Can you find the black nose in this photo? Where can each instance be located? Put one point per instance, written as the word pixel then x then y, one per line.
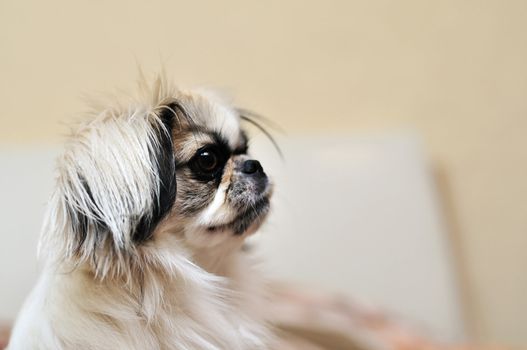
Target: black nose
pixel 251 166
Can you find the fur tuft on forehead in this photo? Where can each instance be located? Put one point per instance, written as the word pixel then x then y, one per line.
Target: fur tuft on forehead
pixel 116 180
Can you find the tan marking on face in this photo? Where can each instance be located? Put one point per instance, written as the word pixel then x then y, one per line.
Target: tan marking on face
pixel 228 170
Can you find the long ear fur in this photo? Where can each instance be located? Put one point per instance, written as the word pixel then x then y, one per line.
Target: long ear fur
pixel 116 183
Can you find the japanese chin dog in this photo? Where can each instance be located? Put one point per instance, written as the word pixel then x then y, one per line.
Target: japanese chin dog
pixel 143 236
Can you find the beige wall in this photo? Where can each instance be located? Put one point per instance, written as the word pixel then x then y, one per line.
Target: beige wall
pixel 454 70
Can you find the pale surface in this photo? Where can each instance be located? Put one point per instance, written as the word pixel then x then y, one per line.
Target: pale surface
pixel 26 182
pixel 357 216
pixel 454 70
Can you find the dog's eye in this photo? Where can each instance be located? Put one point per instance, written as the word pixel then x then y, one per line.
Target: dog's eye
pixel 207 162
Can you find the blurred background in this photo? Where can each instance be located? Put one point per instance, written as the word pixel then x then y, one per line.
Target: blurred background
pixel 405 137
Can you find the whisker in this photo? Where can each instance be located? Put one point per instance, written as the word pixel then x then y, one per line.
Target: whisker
pixel 265 132
pixel 253 115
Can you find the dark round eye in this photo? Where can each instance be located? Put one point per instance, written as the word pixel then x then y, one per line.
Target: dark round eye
pixel 207 161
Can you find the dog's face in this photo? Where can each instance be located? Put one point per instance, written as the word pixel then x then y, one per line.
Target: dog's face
pixel 222 193
pixel 170 166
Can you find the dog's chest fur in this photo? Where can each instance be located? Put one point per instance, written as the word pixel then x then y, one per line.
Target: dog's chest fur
pixel 196 311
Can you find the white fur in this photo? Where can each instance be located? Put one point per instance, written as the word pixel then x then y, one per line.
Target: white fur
pixel 212 215
pixel 165 294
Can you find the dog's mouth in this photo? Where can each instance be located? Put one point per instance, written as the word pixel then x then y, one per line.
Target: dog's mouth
pixel 253 215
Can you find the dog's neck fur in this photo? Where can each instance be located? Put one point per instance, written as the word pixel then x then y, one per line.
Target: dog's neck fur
pixel 172 297
pixel 172 290
pixel 222 260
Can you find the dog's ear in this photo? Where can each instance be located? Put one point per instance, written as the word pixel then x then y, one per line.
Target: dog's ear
pixel 117 182
pixel 165 164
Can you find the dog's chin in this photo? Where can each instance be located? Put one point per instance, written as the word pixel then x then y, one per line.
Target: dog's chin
pixel 232 232
pixel 247 221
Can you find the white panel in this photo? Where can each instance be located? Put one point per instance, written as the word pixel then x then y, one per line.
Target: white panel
pixel 359 215
pixel 25 185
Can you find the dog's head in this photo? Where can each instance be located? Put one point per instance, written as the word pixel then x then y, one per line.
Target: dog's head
pixel 171 165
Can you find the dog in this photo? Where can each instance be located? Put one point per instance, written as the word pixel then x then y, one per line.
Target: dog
pixel 143 236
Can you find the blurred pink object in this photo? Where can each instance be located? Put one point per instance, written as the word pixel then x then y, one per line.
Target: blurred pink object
pixel 327 322
pixel 5 330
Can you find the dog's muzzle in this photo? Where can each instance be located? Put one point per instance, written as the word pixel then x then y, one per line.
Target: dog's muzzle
pixel 248 194
pixel 253 172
